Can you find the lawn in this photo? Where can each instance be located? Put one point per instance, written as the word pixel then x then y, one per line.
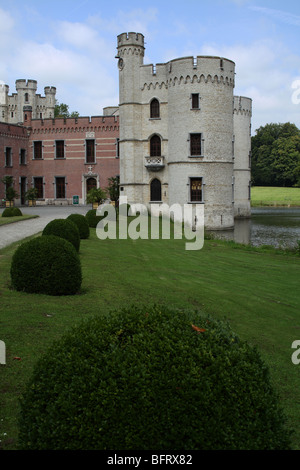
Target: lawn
pixel 273 196
pixel 11 220
pixel 256 290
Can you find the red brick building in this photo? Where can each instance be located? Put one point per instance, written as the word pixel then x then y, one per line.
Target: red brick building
pixel 62 158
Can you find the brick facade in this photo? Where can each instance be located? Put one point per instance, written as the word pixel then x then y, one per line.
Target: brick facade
pixel 61 157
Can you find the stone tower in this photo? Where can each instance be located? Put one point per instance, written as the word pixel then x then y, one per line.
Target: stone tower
pixel 130 59
pixel 4 89
pixel 184 137
pixel 12 106
pixel 242 112
pixel 50 92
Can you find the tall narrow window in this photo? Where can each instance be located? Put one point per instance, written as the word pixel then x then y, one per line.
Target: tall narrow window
pixel 195 144
pixel 90 151
pixel 59 149
pixel 22 157
pixel 117 148
pixel 154 108
pixel 90 184
pixel 155 146
pixel 38 184
pixel 155 190
pixel 26 98
pixel 195 101
pixel 37 150
pixel 60 187
pixel 8 156
pixel 196 190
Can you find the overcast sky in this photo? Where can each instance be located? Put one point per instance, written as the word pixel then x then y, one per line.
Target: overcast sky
pixel 71 44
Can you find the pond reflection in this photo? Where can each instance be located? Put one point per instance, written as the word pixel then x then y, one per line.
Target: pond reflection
pixel 279 227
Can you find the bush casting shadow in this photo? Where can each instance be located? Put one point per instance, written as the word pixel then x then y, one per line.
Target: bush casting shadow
pixel 46 265
pixel 151 379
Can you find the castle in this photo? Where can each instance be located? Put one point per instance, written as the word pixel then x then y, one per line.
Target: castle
pixel 184 137
pixel 179 135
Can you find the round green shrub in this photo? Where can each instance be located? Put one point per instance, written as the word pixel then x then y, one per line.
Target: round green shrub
pixel 7 212
pixel 46 265
pixel 64 228
pixel 16 212
pixel 92 218
pixel 82 224
pixel 151 379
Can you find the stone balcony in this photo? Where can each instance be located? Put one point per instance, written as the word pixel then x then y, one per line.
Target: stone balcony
pixel 154 163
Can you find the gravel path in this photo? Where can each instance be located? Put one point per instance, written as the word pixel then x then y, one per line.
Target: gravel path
pixel 17 231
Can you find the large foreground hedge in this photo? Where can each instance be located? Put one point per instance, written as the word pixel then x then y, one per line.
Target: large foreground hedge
pixel 46 265
pixel 152 379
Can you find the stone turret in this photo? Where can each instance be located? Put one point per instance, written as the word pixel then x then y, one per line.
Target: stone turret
pixel 11 106
pixel 50 92
pixel 4 89
pixel 130 58
pixel 242 112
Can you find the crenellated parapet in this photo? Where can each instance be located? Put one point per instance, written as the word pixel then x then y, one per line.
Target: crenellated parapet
pixel 75 125
pixel 188 70
pixel 242 105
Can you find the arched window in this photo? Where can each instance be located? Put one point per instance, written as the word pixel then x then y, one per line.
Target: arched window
pixel 90 184
pixel 155 146
pixel 154 108
pixel 155 190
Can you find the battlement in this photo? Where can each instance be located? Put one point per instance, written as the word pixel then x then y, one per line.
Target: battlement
pixel 79 124
pixel 242 105
pixel 28 84
pixel 4 88
pixel 131 39
pixel 188 70
pixel 50 90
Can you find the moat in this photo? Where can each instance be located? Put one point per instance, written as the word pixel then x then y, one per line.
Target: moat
pixel 278 226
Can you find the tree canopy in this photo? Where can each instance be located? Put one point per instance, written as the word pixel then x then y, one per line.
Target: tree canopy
pixel 61 110
pixel 276 155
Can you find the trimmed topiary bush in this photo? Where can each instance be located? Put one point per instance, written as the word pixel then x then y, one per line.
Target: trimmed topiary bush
pixel 16 212
pixel 46 265
pixel 92 218
pixel 151 379
pixel 64 228
pixel 82 224
pixel 7 212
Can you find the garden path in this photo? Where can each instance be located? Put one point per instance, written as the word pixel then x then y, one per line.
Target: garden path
pixel 14 232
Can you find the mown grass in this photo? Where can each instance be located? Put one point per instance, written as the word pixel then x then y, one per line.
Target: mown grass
pixel 11 220
pixel 256 290
pixel 273 196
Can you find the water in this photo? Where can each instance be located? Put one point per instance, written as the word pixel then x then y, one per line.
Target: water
pixel 279 227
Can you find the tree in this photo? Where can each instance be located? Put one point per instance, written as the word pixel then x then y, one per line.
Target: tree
pixel 113 188
pixel 61 110
pixel 276 155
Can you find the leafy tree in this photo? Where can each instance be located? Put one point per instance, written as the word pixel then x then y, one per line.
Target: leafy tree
pixel 113 188
pixel 61 110
pixel 276 155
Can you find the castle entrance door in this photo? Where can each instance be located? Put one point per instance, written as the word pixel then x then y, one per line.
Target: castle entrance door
pixel 90 184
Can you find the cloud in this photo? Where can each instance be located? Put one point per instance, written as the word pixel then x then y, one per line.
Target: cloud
pixel 81 36
pixel 263 75
pixel 283 16
pixel 137 20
